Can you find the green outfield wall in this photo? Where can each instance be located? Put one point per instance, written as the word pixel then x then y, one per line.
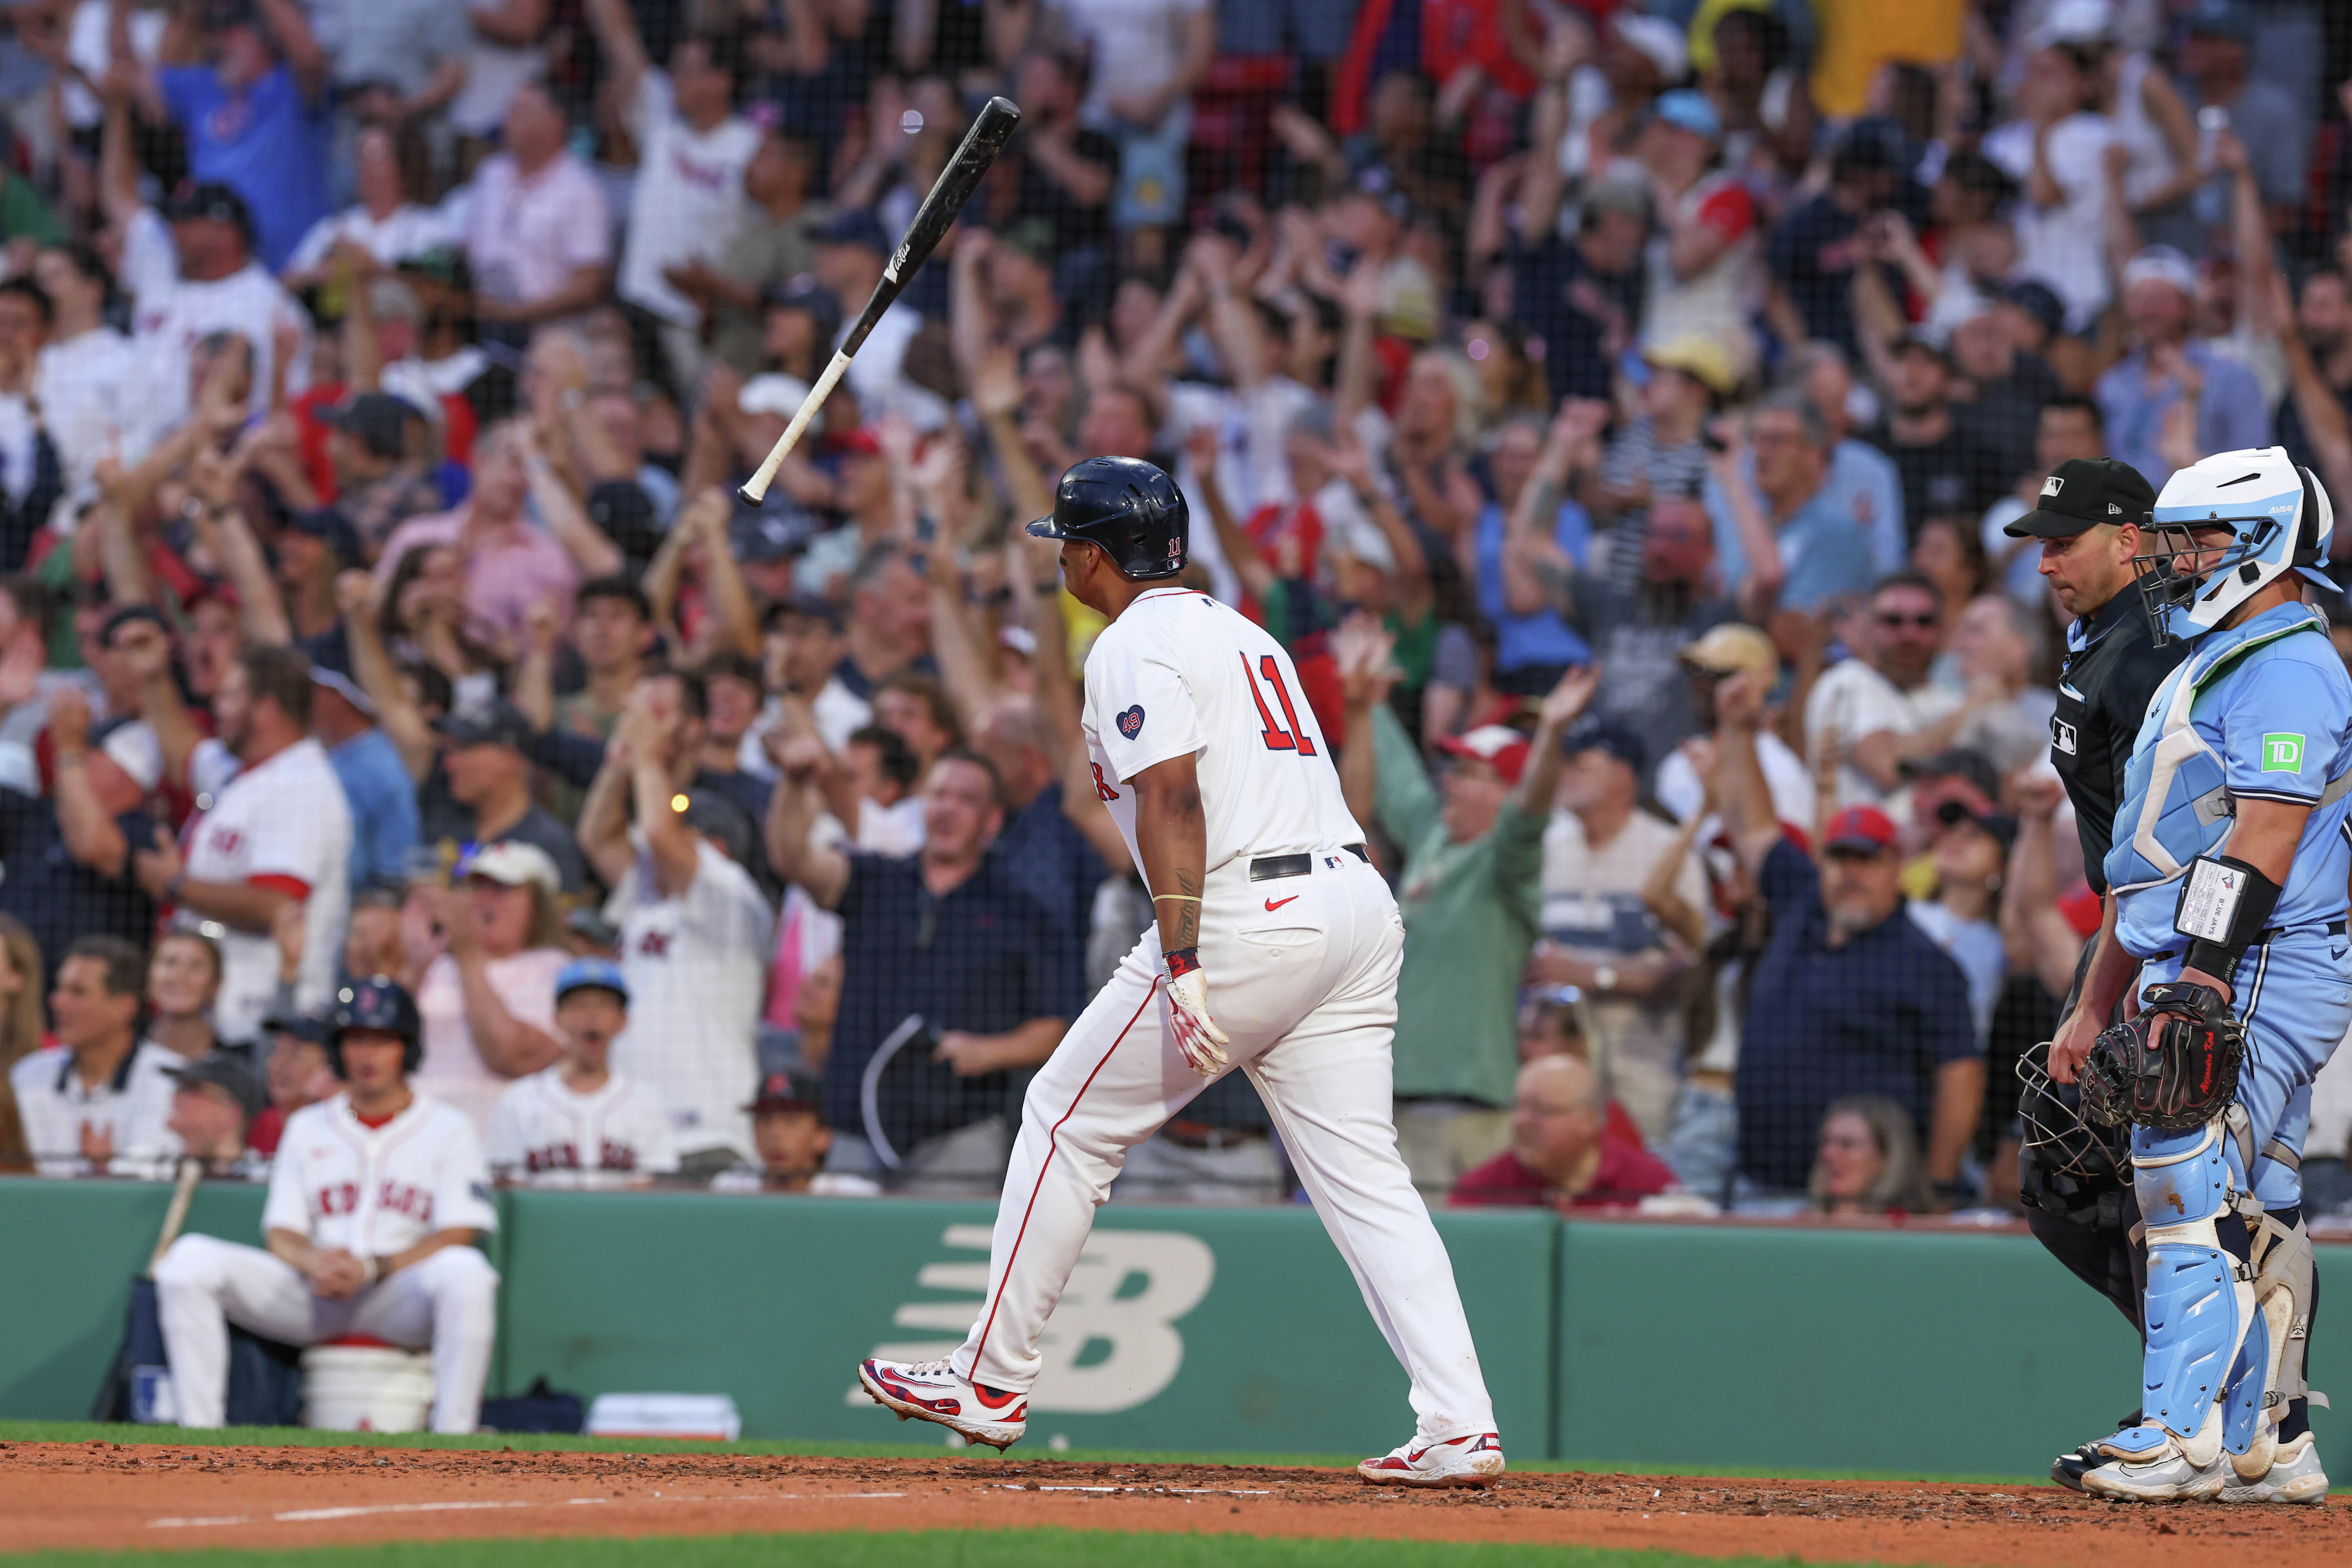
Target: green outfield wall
pixel 1928 1350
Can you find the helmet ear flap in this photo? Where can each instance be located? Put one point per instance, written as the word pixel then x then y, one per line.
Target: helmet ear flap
pixel 2318 520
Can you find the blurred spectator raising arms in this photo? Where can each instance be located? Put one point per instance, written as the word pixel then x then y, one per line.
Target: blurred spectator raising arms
pixel 695 930
pixel 692 151
pixel 1850 996
pixel 1600 853
pixel 274 830
pixel 484 957
pixel 1471 894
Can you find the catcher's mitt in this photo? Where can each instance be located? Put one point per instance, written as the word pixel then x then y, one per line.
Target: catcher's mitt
pixel 2177 1079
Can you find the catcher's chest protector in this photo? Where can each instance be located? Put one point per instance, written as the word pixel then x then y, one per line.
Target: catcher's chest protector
pixel 2176 804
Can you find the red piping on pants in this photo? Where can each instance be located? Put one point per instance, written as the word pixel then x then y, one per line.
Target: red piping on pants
pixel 1043 1167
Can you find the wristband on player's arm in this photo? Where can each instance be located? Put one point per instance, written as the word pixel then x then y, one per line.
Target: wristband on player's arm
pixel 1182 961
pixel 2224 905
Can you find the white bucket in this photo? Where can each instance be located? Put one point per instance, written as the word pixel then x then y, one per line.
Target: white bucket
pixel 366 1388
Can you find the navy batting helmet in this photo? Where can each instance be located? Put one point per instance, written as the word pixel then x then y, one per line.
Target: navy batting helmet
pixel 1129 507
pixel 382 1003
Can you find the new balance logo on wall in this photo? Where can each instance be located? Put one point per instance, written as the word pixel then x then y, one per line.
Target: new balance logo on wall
pixel 1112 1342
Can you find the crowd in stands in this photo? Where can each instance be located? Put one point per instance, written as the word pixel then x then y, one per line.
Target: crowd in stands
pixel 1614 405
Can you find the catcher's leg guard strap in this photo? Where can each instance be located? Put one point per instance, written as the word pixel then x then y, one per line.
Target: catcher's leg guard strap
pixel 2200 1298
pixel 2282 1261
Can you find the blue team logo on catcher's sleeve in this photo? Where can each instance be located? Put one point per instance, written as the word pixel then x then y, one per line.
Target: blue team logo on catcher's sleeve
pixel 1130 723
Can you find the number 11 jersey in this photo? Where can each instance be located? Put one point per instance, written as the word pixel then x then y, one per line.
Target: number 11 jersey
pixel 1181 673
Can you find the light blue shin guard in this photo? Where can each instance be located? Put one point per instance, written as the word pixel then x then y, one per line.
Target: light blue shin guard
pixel 2249 1381
pixel 2200 1298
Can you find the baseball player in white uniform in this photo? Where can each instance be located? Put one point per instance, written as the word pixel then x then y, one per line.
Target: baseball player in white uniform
pixel 1224 789
pixel 374 1198
pixel 579 1123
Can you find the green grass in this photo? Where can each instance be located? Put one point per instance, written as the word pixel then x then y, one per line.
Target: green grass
pixel 923 1549
pixel 1025 1453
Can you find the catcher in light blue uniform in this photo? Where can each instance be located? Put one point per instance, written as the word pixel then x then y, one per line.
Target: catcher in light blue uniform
pixel 2229 866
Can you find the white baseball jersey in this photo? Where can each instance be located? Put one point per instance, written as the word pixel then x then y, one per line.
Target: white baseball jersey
pixel 172 314
pixel 697 967
pixel 1300 972
pixel 549 1134
pixel 1177 672
pixel 377 1190
pixel 284 824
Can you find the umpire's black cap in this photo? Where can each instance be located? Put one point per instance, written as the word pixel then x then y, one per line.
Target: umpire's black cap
pixel 2081 493
pixel 1129 509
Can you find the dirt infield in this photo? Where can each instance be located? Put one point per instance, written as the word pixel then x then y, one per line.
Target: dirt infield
pixel 100 1495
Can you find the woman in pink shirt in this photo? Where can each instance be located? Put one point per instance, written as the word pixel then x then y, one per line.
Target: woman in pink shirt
pixel 483 958
pixel 512 559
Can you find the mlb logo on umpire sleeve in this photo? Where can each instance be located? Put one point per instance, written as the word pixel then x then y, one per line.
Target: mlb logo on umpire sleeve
pixel 2062 736
pixel 2281 753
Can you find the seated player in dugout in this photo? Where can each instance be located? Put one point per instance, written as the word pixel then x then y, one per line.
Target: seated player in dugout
pixel 2229 881
pixel 376 1200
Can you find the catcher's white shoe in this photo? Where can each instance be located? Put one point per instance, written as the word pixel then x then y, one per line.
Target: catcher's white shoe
pixel 2149 1463
pixel 2294 1476
pixel 1473 1460
pixel 931 1390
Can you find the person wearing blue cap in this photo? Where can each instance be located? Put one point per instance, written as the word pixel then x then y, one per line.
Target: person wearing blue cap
pixel 580 1123
pixel 1704 263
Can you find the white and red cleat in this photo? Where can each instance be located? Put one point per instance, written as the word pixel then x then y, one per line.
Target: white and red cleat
pixel 1473 1460
pixel 931 1390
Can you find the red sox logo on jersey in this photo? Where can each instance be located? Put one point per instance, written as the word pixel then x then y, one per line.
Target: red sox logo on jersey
pixel 224 840
pixel 397 1198
pixel 610 1156
pixel 401 1198
pixel 653 944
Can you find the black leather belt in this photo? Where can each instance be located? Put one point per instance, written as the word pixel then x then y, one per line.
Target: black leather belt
pixel 2268 934
pixel 1274 867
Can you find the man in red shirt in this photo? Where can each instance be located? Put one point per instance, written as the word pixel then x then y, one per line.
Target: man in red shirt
pixel 1566 1150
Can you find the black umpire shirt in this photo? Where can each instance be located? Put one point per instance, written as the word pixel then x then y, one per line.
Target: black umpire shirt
pixel 2112 671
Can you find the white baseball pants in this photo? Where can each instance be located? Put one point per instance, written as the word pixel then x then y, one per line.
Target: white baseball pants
pixel 1302 974
pixel 445 1303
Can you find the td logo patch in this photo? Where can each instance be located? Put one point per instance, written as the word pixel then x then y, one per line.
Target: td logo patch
pixel 2281 753
pixel 1130 723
